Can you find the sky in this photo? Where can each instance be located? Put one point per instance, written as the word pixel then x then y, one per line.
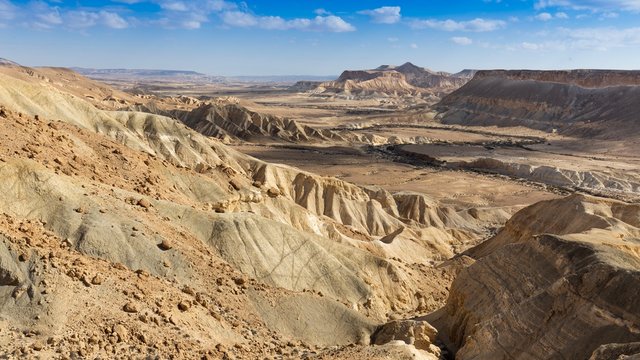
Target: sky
pixel 310 37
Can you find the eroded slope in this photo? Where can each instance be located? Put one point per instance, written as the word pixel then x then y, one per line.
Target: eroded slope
pixel 556 283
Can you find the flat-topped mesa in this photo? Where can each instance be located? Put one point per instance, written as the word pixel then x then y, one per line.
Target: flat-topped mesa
pixel 582 103
pixel 359 75
pixel 582 77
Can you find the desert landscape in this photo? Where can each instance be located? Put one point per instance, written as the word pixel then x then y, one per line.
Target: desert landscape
pixel 396 212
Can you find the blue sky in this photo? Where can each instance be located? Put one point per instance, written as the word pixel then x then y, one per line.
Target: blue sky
pixel 259 37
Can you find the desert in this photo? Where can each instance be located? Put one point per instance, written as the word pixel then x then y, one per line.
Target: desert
pixel 384 212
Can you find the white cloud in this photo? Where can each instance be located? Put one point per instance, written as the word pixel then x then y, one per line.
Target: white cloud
pixel 329 23
pixel 413 46
pixel 462 40
pixel 321 12
pixel 601 39
pixel 588 39
pixel 384 15
pixel 610 15
pixel 174 6
pixel 475 25
pixel 530 46
pixel 171 14
pixel 7 10
pixel 191 24
pixel 545 16
pixel 87 19
pixel 593 5
pixel 239 19
pixel 113 20
pixel 393 39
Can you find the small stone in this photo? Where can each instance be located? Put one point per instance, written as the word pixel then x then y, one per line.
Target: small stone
pixel 273 192
pixel 23 257
pixel 97 280
pixel 131 307
pixel 235 184
pixel 144 203
pixel 184 305
pixel 165 245
pixel 120 332
pixel 38 345
pixel 239 281
pixel 188 290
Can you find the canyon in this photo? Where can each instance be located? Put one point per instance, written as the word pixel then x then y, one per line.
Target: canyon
pixel 391 213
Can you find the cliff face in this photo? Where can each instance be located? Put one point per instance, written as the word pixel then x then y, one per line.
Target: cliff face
pixel 548 298
pixel 557 283
pixel 395 80
pixel 583 103
pixel 583 78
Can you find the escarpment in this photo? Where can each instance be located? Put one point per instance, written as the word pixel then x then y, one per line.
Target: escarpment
pixel 582 103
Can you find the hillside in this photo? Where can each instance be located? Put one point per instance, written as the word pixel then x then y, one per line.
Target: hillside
pixel 565 281
pixel 389 80
pixel 140 209
pixel 583 103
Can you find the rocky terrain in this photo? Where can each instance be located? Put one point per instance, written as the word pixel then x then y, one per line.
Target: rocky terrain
pixel 390 81
pixel 140 209
pixel 604 175
pixel 566 283
pixel 229 121
pixel 206 252
pixel 582 103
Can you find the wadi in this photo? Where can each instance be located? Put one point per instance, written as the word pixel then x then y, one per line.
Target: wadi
pixel 395 211
pixel 288 224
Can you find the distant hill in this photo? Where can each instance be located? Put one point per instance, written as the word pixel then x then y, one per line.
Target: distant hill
pixel 391 80
pixel 5 62
pixel 278 79
pixel 147 75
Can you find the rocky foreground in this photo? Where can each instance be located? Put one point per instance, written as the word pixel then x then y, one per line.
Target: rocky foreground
pixel 128 234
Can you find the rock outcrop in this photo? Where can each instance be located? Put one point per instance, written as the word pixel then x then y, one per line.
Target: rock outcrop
pixel 387 80
pixel 233 121
pixel 556 283
pixel 583 103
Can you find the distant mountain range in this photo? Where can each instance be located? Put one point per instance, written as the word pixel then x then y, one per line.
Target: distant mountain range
pixel 190 76
pixel 414 76
pixel 148 75
pixel 5 62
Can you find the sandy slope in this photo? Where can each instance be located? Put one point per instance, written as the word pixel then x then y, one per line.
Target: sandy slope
pixel 147 196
